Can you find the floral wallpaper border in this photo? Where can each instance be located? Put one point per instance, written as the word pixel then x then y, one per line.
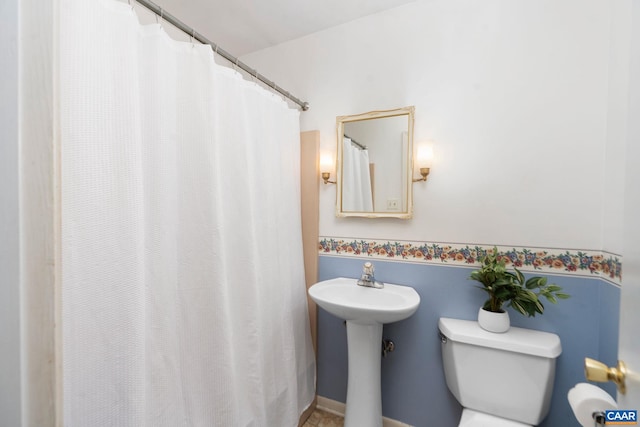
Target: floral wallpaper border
pixel 552 261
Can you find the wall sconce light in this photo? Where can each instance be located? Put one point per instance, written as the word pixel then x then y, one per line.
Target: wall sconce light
pixel 326 166
pixel 424 157
pixel 326 176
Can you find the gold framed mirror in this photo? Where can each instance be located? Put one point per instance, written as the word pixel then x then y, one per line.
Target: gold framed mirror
pixel 374 164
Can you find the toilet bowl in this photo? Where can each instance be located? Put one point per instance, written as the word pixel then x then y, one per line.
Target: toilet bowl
pixel 471 418
pixel 501 380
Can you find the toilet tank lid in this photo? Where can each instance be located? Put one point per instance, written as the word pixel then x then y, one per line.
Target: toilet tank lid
pixel 519 340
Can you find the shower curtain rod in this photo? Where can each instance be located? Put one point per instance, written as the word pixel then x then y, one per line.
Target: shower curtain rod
pixel 364 147
pixel 165 16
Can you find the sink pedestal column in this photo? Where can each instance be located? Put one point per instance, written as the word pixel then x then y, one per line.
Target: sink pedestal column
pixel 364 390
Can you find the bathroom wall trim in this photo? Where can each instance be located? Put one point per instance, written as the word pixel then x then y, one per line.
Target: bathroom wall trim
pixel 338 408
pixel 574 262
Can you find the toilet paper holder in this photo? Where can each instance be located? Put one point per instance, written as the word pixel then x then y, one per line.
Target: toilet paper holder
pixel 598 419
pixel 597 371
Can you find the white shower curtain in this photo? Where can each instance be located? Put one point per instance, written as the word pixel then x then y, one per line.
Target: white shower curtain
pixel 183 297
pixel 356 182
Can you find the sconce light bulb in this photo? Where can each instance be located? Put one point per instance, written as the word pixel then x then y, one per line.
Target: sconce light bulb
pixel 326 162
pixel 424 156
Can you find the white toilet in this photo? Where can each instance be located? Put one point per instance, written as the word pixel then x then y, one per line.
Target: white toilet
pixel 501 380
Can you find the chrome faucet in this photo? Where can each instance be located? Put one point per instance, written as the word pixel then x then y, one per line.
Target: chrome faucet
pixel 367 278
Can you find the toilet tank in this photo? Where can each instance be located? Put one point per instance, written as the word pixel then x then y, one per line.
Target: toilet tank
pixel 508 375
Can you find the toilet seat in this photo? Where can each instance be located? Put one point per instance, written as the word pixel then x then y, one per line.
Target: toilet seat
pixel 471 418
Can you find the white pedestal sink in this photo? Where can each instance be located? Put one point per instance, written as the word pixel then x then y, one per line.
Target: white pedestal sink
pixel 365 310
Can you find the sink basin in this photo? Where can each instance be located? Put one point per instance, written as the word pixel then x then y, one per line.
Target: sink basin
pixel 343 298
pixel 365 310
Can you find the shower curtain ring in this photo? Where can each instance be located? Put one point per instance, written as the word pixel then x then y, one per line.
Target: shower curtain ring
pixel 193 34
pixel 161 16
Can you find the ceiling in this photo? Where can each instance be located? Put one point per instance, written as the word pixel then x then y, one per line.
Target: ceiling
pixel 244 26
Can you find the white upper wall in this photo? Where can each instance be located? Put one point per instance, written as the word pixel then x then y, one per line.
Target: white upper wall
pixel 620 89
pixel 243 26
pixel 514 95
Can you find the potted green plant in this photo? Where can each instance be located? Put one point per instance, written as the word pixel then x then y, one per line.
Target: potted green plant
pixel 512 289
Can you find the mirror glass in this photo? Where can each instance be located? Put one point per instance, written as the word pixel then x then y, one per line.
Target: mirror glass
pixel 374 164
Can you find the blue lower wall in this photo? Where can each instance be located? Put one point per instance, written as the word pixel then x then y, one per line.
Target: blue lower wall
pixel 413 386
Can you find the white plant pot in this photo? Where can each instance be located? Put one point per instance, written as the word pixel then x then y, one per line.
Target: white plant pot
pixel 493 322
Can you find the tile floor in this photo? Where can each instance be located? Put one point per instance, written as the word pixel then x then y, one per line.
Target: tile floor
pixel 320 418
